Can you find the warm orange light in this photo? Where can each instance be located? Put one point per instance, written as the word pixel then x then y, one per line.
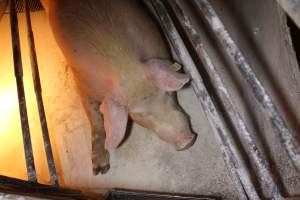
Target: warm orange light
pixel 8 108
pixel 12 159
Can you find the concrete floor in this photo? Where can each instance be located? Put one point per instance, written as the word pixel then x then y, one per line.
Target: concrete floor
pixel 144 162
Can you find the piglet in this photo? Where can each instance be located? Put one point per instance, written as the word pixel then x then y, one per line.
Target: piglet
pixel 122 68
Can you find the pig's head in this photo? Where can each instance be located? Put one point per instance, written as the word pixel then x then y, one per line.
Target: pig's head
pixel 161 114
pixel 156 110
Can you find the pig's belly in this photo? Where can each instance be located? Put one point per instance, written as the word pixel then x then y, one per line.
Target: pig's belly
pixel 93 73
pixel 95 87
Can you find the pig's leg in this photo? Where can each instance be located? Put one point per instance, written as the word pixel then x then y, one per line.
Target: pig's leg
pixel 100 156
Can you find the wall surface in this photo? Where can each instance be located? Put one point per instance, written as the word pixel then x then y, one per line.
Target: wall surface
pixel 144 162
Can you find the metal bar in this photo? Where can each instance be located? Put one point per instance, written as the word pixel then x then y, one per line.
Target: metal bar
pixel 229 149
pixel 120 194
pixel 264 170
pixel 292 8
pixel 31 173
pixel 39 98
pixel 289 140
pixel 17 186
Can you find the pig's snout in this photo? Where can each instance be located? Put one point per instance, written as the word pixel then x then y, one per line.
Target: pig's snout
pixel 181 140
pixel 185 141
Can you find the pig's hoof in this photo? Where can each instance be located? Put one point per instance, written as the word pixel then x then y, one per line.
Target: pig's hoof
pixel 100 162
pixel 187 143
pixel 101 169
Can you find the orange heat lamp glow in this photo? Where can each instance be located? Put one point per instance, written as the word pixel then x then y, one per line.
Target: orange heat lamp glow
pixel 12 158
pixel 12 161
pixel 8 108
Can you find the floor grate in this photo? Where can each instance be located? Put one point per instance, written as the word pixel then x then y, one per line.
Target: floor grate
pixel 34 5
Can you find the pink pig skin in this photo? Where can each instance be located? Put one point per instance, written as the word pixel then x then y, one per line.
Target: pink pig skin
pixel 122 64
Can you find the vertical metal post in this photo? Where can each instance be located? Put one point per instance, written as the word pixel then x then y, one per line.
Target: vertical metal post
pixel 230 151
pixel 39 99
pixel 291 144
pixel 235 117
pixel 31 173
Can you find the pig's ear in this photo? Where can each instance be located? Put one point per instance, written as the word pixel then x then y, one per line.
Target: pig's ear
pixel 164 76
pixel 115 122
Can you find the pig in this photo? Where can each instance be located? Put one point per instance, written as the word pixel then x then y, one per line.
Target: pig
pixel 122 68
pixel 3 5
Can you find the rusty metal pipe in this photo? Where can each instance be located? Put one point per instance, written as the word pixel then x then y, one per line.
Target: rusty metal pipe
pixel 31 173
pixel 39 98
pixel 230 151
pixel 235 117
pixel 289 140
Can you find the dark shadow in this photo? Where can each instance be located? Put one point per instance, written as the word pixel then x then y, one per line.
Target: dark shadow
pixel 128 130
pixel 295 36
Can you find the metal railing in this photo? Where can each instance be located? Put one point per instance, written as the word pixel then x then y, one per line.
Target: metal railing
pixel 18 69
pixel 231 152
